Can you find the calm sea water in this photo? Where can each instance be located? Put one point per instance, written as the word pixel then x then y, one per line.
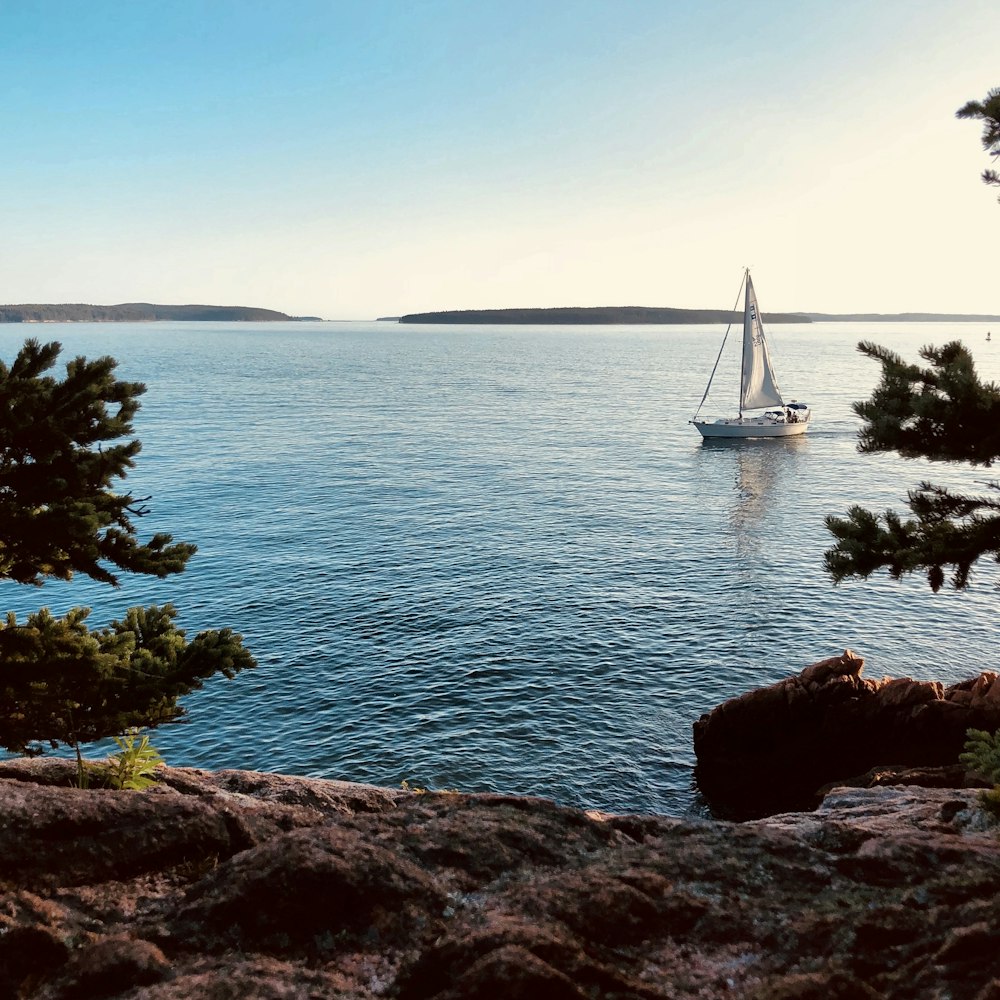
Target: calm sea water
pixel 499 558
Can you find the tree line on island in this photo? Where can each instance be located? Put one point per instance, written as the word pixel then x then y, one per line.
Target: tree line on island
pixel 140 312
pixel 64 443
pixel 631 315
pixel 593 315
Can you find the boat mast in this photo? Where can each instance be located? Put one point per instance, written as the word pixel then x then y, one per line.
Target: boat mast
pixel 743 357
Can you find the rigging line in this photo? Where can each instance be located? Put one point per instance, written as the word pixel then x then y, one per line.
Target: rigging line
pixel 724 339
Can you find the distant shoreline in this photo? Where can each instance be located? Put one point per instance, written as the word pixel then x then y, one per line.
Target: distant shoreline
pixel 140 312
pixel 625 315
pixel 148 312
pixel 586 316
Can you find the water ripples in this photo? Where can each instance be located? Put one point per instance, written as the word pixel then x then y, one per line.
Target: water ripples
pixel 500 559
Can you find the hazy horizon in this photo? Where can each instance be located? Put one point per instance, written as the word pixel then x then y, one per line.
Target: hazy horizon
pixel 808 314
pixel 356 160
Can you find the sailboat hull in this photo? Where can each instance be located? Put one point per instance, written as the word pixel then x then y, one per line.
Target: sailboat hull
pixel 749 427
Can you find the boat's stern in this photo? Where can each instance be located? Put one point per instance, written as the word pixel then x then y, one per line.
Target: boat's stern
pixel 796 412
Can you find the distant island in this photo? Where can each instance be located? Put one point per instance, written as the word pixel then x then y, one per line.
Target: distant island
pixel 140 312
pixel 593 315
pixel 643 314
pixel 903 318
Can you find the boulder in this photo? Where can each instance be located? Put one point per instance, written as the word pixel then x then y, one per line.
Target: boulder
pixel 775 748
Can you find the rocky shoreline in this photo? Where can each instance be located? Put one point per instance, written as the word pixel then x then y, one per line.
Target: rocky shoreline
pixel 779 748
pixel 240 884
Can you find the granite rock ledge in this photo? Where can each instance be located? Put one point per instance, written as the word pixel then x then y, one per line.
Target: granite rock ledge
pixel 779 748
pixel 240 884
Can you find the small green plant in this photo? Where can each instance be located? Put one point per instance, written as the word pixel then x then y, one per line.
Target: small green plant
pixel 84 771
pixel 990 801
pixel 133 768
pixel 982 754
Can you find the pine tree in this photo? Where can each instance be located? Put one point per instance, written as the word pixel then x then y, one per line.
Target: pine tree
pixel 988 112
pixel 942 413
pixel 61 454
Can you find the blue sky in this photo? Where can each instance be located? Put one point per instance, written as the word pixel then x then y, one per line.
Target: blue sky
pixel 355 159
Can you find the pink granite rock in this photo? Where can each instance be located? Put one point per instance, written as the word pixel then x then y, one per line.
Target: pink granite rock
pixel 879 893
pixel 774 748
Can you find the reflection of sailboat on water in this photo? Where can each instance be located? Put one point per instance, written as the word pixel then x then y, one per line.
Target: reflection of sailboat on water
pixel 758 387
pixel 756 468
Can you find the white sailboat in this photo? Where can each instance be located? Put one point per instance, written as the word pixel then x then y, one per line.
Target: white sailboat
pixel 758 388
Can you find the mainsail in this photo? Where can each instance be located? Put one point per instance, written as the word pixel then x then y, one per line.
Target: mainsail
pixel 758 388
